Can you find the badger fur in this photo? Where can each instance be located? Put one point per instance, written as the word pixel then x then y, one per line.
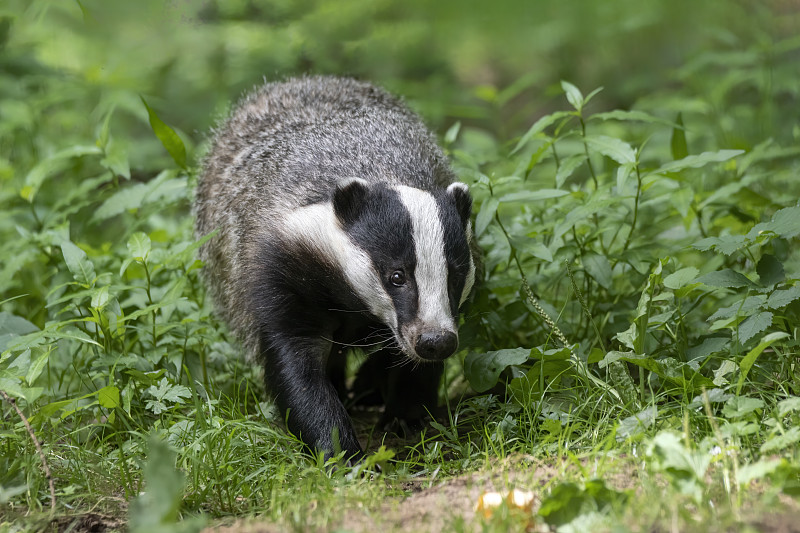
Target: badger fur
pixel 339 224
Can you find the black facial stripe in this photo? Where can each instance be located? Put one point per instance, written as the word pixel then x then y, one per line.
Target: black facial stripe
pixel 456 248
pixel 385 232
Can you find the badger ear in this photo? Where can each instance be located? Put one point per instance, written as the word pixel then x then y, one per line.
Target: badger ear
pixel 463 200
pixel 348 199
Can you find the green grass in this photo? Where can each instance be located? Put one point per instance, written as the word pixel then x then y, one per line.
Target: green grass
pixel 631 355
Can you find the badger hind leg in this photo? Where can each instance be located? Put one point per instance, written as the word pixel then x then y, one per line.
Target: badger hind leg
pixel 409 390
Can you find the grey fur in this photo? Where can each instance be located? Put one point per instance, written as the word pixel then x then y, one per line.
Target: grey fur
pixel 282 148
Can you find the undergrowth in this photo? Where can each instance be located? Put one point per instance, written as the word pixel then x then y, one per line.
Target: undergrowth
pixel 639 311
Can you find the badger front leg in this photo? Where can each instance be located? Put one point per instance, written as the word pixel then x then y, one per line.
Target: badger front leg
pixel 296 376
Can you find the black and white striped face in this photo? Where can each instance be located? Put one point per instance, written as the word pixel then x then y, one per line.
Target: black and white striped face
pixel 405 253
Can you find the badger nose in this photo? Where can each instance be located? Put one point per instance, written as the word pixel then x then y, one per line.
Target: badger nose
pixel 436 345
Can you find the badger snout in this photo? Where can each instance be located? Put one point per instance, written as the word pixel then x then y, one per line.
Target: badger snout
pixel 436 345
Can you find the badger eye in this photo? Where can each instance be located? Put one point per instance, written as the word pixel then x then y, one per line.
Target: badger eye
pixel 398 278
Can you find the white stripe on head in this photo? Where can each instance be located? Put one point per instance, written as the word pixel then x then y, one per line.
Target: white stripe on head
pixel 317 227
pixel 431 270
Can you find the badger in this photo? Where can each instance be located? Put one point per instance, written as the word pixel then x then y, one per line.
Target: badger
pixel 339 223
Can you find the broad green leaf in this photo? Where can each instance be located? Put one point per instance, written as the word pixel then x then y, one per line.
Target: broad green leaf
pixel 100 297
pixel 11 327
pixel 636 424
pixel 726 244
pixel 139 246
pixel 697 161
pixel 726 278
pixel 483 369
pixel 749 360
pixel 739 406
pixel 108 397
pixel 678 141
pixel 532 196
pixel 783 297
pixel 758 470
pixel 788 405
pixel 168 137
pixel 680 278
pixel 616 149
pixel 710 345
pixel 785 223
pixel 599 268
pixel 779 442
pixel 754 325
pixel 78 263
pixel 741 308
pixel 574 96
pixel 770 270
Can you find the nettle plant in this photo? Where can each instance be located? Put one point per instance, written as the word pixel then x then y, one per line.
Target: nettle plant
pixel 624 264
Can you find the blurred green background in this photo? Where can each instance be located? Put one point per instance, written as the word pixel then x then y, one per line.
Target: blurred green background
pixel 494 65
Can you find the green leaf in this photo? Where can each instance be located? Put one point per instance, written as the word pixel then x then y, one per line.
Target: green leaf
pixel 726 244
pixel 108 397
pixel 697 161
pixel 710 345
pixel 616 149
pixel 37 366
pixel 782 298
pixel 532 247
pixel 532 196
pixel 754 325
pixel 11 327
pixel 539 126
pixel 636 424
pixel 78 263
pixel 599 268
pixel 167 136
pixel 680 278
pixel 485 215
pixel 770 270
pixel 116 160
pixel 779 442
pixel 785 223
pixel 758 470
pixel 739 406
pixel 157 508
pixel 100 297
pixel 678 141
pixel 749 360
pixel 567 167
pixel 726 278
pixel 52 165
pixel 483 369
pixel 634 116
pixel 452 133
pixel 788 405
pixel 139 246
pixel 574 96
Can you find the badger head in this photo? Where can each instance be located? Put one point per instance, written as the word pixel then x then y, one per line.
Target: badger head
pixel 408 259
